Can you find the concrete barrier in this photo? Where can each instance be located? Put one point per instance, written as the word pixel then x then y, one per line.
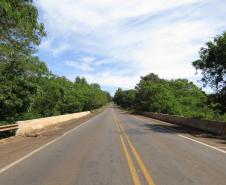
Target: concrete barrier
pixel 215 127
pixel 34 126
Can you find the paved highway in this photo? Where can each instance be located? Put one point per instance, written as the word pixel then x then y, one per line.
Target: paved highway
pixel 115 148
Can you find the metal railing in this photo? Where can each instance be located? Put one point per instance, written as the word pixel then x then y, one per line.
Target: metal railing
pixel 8 127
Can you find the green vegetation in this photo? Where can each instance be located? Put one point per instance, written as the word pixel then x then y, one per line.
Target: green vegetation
pixel 27 88
pixel 181 97
pixel 212 64
pixel 178 97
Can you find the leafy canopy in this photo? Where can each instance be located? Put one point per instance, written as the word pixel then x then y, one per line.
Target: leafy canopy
pixel 212 62
pixel 178 97
pixel 27 88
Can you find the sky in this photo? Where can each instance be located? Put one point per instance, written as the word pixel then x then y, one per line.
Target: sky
pixel 114 42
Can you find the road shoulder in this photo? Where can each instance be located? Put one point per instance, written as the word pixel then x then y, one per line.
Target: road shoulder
pixel 13 148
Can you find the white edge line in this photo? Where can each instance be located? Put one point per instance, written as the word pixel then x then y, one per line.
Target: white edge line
pixel 215 148
pixel 39 149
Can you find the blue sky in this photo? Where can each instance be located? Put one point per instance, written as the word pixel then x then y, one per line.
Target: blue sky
pixel 114 42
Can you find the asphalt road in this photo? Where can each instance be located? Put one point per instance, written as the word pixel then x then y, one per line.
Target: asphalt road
pixel 115 148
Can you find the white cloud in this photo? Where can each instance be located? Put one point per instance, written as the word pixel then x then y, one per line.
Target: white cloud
pixel 131 38
pixel 88 59
pixel 104 61
pixel 94 13
pixel 60 49
pixel 109 78
pixel 79 65
pixel 55 50
pixel 85 64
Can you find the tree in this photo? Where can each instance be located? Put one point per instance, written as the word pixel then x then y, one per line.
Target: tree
pixel 19 27
pixel 126 99
pixel 27 88
pixel 191 99
pixel 19 87
pixel 212 62
pixel 20 32
pixel 155 95
pixel 179 97
pixel 80 80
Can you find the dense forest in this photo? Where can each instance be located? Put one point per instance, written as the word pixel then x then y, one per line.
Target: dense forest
pixel 181 97
pixel 27 88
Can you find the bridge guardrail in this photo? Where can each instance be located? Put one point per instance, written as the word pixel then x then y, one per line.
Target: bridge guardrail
pixel 4 128
pixel 216 127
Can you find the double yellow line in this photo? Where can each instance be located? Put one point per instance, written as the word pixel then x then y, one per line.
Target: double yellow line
pixel 125 139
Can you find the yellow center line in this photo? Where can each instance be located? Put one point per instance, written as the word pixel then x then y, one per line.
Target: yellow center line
pixel 139 160
pixel 133 171
pixel 137 156
pixel 132 168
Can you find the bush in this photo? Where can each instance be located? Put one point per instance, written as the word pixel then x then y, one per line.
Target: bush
pixel 178 97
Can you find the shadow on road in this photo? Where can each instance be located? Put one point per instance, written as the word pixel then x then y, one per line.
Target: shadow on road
pixel 178 129
pixel 169 128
